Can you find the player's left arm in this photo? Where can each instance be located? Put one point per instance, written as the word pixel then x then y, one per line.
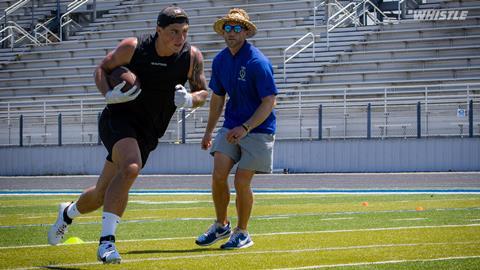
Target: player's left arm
pixel 196 78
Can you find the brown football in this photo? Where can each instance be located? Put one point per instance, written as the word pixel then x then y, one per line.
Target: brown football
pixel 120 74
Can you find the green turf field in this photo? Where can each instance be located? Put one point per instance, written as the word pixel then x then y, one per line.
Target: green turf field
pixel 289 231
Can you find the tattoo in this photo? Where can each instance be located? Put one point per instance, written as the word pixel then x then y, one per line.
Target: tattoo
pixel 197 81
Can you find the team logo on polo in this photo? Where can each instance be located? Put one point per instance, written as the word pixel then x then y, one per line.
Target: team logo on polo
pixel 243 73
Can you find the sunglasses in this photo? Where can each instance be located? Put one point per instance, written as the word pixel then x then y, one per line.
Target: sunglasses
pixel 236 28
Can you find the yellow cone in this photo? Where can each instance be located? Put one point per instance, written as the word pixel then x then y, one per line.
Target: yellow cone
pixel 73 240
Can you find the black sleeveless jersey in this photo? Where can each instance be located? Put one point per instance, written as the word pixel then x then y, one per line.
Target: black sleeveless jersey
pixel 158 76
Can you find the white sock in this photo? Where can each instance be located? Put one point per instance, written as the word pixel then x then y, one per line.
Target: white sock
pixel 109 223
pixel 72 211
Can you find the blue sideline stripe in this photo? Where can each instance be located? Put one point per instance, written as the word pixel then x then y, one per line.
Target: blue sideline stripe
pixel 258 191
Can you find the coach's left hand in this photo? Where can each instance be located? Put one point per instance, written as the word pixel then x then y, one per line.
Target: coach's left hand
pixel 235 134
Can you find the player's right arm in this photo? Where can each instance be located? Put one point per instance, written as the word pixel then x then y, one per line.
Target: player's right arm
pixel 216 107
pixel 118 57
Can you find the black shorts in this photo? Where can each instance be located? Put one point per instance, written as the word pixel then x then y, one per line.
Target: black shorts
pixel 114 127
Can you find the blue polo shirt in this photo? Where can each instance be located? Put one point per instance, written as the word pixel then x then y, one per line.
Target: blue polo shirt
pixel 246 77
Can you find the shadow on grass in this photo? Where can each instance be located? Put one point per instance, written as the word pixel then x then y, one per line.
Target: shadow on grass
pixel 59 268
pixel 172 251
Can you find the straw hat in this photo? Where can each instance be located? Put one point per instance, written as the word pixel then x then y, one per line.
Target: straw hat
pixel 236 15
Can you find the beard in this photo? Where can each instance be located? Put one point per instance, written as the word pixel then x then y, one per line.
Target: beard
pixel 232 43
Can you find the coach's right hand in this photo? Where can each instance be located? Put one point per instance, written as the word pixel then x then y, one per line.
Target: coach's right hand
pixel 206 141
pixel 116 95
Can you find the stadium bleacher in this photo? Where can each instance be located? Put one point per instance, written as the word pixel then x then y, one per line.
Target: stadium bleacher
pixel 389 65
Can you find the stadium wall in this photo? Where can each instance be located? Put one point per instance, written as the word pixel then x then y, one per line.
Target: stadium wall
pixel 389 155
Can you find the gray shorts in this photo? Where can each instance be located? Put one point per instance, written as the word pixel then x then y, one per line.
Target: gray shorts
pixel 253 152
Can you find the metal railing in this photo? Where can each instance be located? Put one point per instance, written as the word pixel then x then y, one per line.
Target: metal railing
pixel 352 12
pixel 339 18
pixel 345 106
pixel 16 34
pixel 285 60
pixel 35 105
pixel 444 112
pixel 403 7
pixel 43 32
pixel 367 4
pixel 182 117
pixel 13 8
pixel 336 6
pixel 70 8
pixel 315 8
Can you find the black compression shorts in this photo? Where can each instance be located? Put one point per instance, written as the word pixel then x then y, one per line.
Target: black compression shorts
pixel 114 127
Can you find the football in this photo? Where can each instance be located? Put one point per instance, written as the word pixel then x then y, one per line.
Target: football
pixel 120 74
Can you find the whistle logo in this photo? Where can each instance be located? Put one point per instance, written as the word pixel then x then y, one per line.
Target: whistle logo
pixel 439 15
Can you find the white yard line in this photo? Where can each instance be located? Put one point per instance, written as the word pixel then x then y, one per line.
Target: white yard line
pixel 275 234
pixel 294 191
pixel 380 262
pixel 152 219
pixel 169 202
pixel 408 219
pixel 269 218
pixel 276 252
pixel 340 218
pixel 440 200
pixel 166 208
pixel 374 229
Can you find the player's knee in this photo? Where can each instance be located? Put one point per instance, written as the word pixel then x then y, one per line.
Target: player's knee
pixel 130 171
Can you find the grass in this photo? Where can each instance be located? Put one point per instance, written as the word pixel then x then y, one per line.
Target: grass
pixel 290 231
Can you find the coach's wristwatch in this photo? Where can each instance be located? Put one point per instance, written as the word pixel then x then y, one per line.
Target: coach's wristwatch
pixel 246 127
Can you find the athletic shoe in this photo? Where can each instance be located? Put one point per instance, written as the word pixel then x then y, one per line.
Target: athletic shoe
pixel 213 234
pixel 59 228
pixel 238 240
pixel 107 253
